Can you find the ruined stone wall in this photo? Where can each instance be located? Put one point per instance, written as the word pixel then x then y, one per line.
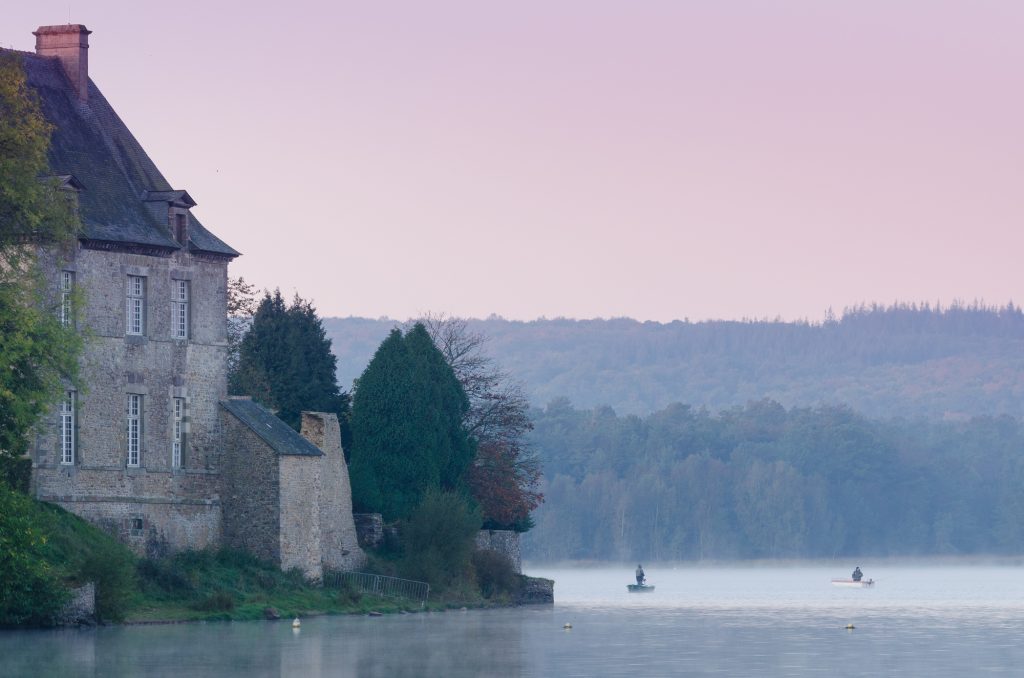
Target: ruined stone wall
pixel 338 541
pixel 81 609
pixel 250 481
pixel 300 538
pixel 505 542
pixel 369 529
pixel 179 507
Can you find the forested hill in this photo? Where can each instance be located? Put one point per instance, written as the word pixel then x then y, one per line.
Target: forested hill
pixel 761 481
pixel 902 360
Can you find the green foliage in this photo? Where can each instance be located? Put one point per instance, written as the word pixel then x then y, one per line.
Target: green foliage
pixel 36 351
pixel 31 210
pixel 407 435
pixel 31 593
pixel 82 553
pixel 285 362
pixel 15 472
pixel 762 481
pixel 439 538
pixel 504 478
pixel 495 574
pixel 218 601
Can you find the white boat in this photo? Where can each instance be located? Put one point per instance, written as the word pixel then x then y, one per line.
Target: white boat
pixel 851 584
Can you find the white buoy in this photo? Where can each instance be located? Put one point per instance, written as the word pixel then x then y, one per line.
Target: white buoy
pixel 296 623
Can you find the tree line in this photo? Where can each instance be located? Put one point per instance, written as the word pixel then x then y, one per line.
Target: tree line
pixel 764 481
pixel 927 360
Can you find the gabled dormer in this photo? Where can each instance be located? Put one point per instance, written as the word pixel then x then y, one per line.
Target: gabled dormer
pixel 174 206
pixel 68 182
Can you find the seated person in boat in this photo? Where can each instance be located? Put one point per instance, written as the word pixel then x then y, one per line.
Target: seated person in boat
pixel 857 574
pixel 640 577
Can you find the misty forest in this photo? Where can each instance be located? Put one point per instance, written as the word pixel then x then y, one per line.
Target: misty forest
pixel 886 431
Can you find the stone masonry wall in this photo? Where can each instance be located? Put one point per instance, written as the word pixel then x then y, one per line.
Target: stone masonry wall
pixel 300 538
pixel 250 481
pixel 505 542
pixel 370 529
pixel 338 542
pixel 81 609
pixel 99 484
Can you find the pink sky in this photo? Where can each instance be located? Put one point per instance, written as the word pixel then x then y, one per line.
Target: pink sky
pixel 657 160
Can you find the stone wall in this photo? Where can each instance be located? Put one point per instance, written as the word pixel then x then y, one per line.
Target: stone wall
pixel 81 609
pixel 338 542
pixel 250 478
pixel 536 591
pixel 369 529
pixel 159 368
pixel 505 542
pixel 299 505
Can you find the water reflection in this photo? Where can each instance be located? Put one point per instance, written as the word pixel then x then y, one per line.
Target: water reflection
pixel 711 622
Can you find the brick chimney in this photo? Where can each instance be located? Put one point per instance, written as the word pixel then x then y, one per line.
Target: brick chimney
pixel 70 44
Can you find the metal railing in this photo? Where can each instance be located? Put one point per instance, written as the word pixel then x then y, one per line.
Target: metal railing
pixel 380 586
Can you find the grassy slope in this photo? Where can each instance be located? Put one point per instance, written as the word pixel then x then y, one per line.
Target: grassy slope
pixel 205 585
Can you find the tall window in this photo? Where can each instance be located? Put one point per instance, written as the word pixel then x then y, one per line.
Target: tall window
pixel 67 428
pixel 178 432
pixel 67 284
pixel 136 309
pixel 134 428
pixel 179 309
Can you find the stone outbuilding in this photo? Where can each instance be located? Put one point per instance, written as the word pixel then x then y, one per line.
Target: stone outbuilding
pixel 286 496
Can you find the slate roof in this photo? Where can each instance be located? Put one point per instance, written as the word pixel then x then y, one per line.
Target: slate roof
pixel 281 437
pixel 92 143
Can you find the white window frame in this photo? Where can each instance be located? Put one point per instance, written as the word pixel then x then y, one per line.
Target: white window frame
pixel 135 308
pixel 134 428
pixel 67 429
pixel 67 286
pixel 177 431
pixel 179 309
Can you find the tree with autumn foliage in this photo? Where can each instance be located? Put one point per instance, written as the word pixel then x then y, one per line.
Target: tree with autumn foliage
pixel 504 478
pixel 407 433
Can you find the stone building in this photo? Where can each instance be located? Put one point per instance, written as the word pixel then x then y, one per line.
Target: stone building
pixel 150 448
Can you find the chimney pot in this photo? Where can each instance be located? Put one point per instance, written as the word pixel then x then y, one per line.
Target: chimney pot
pixel 70 44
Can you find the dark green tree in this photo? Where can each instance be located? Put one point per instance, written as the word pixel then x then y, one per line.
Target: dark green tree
pixel 505 476
pixel 285 362
pixel 407 435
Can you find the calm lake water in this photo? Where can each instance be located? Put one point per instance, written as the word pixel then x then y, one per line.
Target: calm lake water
pixel 757 621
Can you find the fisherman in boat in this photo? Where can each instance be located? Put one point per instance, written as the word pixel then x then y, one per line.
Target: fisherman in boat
pixel 640 576
pixel 857 574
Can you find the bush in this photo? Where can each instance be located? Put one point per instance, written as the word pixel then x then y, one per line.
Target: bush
pixel 438 539
pixel 31 593
pixel 112 567
pixel 82 553
pixel 15 472
pixel 495 574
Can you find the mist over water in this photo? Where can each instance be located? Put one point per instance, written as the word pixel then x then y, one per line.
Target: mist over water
pixel 707 621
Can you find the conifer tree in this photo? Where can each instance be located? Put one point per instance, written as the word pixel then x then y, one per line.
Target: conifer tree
pixel 407 426
pixel 285 362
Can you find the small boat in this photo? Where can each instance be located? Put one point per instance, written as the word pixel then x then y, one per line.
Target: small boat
pixel 851 584
pixel 640 588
